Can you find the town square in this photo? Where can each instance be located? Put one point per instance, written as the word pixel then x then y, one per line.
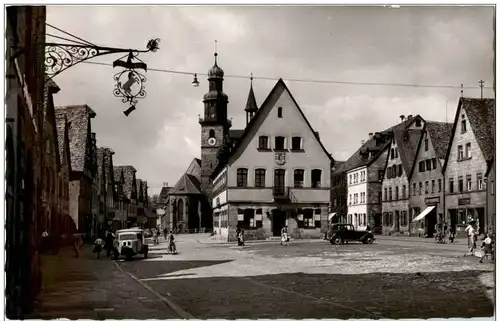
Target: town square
pixel 229 162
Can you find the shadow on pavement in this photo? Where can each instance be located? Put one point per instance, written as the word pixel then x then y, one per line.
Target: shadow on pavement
pixel 150 269
pixel 298 295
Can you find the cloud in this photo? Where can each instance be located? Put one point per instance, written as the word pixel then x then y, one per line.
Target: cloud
pixel 411 45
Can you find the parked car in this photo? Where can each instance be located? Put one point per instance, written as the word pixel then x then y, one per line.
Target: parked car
pixel 131 242
pixel 343 233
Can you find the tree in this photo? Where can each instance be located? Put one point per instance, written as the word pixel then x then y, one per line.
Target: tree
pixel 153 199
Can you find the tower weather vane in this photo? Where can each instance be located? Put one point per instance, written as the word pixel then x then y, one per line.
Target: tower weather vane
pixel 129 83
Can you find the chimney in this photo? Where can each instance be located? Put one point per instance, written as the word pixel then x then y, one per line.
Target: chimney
pixel 402 118
pixel 370 135
pixel 410 116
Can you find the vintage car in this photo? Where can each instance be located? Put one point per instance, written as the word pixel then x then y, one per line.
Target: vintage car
pixel 343 233
pixel 131 242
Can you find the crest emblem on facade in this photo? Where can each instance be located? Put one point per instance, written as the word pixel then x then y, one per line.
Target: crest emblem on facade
pixel 280 158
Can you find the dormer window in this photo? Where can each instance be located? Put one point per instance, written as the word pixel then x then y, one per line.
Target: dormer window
pixel 418 123
pixel 280 112
pixel 463 127
pixel 279 142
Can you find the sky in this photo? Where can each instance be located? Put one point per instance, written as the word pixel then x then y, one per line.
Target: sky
pixel 443 46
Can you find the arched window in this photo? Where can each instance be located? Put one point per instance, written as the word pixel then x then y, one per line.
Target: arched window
pixel 280 112
pixel 180 210
pixel 211 133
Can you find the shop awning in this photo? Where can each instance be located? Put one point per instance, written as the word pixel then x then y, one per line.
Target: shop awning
pixel 331 215
pixel 423 214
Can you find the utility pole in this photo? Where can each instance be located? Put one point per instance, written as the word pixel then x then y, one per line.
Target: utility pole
pixel 481 85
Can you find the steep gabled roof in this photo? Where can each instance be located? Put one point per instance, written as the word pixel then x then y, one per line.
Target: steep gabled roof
pixel 79 119
pixel 268 103
pixel 439 134
pixel 108 167
pixel 129 177
pixel 187 185
pixel 407 142
pixel 140 191
pixel 481 116
pixel 165 191
pixel 358 159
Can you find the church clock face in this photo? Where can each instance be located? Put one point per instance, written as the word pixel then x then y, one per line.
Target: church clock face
pixel 211 141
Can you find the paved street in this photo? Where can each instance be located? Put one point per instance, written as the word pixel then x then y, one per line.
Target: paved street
pixel 313 279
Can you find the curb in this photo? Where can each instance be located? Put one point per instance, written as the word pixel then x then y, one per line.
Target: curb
pixel 395 238
pixel 180 312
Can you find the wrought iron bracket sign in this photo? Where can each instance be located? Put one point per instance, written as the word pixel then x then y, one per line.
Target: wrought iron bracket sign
pixel 129 82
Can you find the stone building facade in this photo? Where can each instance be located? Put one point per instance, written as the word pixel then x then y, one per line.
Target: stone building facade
pixel 275 173
pixel 471 147
pixel 83 166
pixel 401 152
pixel 25 35
pixel 67 224
pixel 126 174
pixel 338 195
pixel 426 178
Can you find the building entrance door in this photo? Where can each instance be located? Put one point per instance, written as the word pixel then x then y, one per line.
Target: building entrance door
pixel 482 222
pixel 396 221
pixel 279 182
pixel 430 222
pixel 279 221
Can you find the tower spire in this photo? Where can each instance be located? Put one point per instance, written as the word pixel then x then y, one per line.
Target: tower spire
pixel 251 106
pixel 215 52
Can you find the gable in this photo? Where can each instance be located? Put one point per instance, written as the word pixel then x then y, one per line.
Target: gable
pixel 479 115
pixel 422 154
pixel 293 123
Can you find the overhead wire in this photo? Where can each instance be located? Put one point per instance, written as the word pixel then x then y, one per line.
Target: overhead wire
pixel 356 83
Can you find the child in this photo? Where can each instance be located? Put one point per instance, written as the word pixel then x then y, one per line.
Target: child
pixel 486 247
pixel 171 246
pixel 98 246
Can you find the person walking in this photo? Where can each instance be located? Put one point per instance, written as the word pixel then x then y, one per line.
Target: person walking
pixel 109 243
pixel 77 243
pixel 165 233
pixel 471 238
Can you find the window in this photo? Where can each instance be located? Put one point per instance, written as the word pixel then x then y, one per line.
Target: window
pixel 404 192
pixel 241 177
pixel 468 151
pixel 296 143
pixel 395 154
pixel 421 166
pixel 418 123
pixel 426 144
pixel 298 178
pixel 400 170
pixel 433 186
pixel 479 178
pixel 389 172
pixel 404 218
pixel 492 188
pixel 350 199
pixel 428 164
pixel 468 179
pixel 308 218
pixel 460 184
pixel 385 195
pixel 420 188
pixel 414 189
pixel 356 198
pixel 279 142
pixel 317 218
pixel 280 112
pixel 380 175
pixel 451 186
pixel 263 142
pixel 460 152
pixel 426 187
pixel 392 153
pixel 434 163
pixel 463 127
pixel 390 193
pixel 439 185
pixel 396 197
pixel 211 133
pixel 316 178
pixel 260 177
pixel 350 178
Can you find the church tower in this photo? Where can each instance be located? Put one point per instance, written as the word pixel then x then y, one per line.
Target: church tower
pixel 214 125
